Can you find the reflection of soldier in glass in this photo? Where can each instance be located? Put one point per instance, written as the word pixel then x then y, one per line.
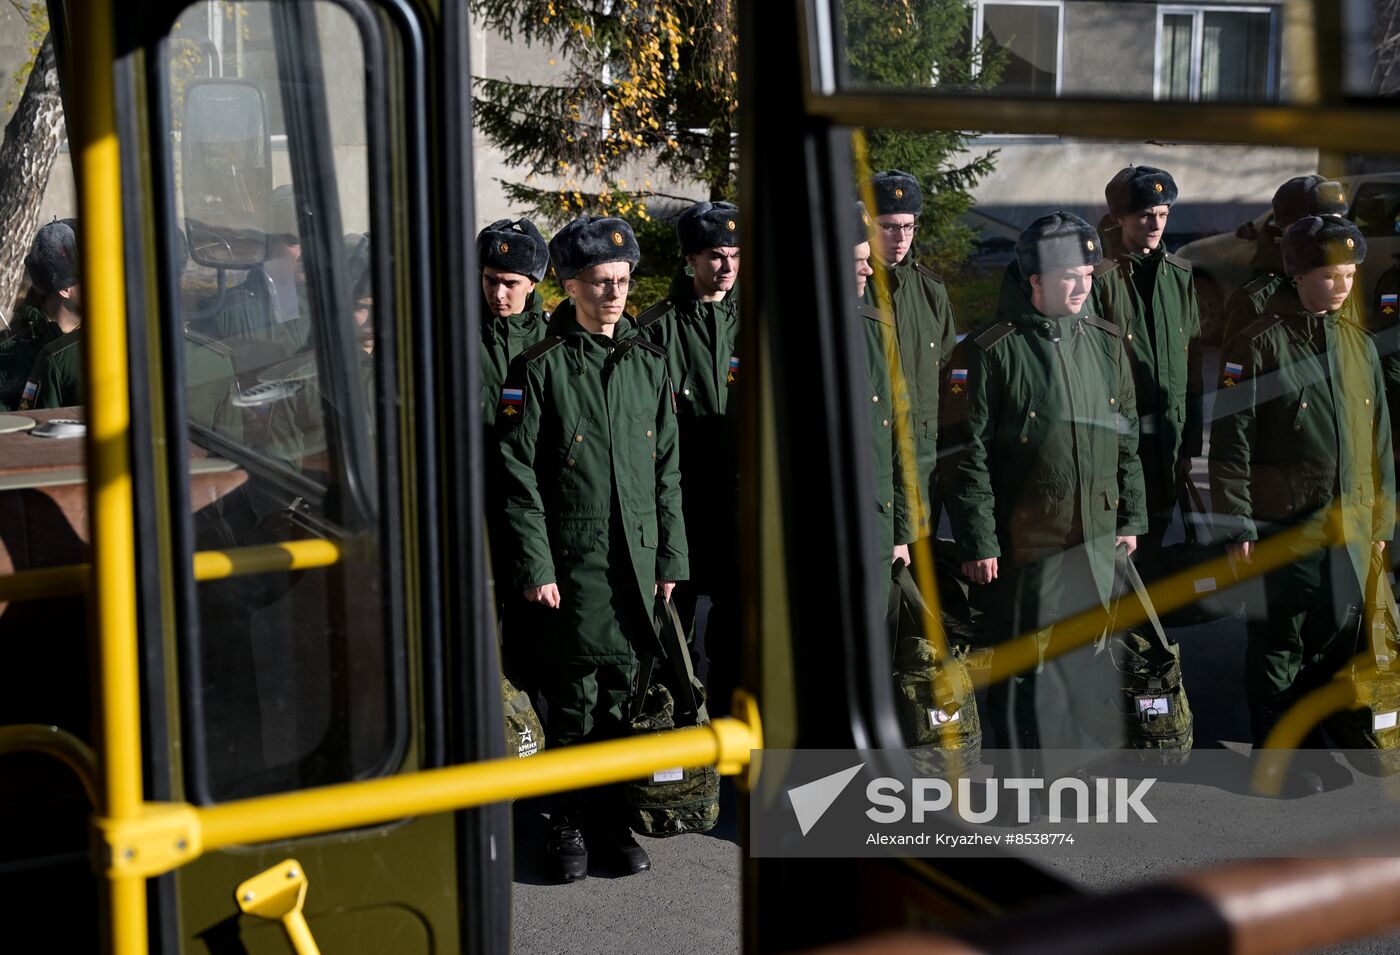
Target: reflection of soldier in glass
pixel 295 426
pixel 46 312
pixel 1041 435
pixel 1301 440
pixel 56 378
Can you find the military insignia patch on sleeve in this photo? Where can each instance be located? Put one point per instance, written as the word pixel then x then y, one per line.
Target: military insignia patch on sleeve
pixel 958 380
pixel 512 403
pixel 1389 302
pixel 31 391
pixel 733 375
pixel 1233 371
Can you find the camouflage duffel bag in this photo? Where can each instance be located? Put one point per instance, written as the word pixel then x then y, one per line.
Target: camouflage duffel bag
pixel 524 734
pixel 933 695
pixel 1156 714
pixel 674 800
pixel 1369 734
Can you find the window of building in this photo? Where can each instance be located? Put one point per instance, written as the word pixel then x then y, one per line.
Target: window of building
pixel 1031 32
pixel 1216 53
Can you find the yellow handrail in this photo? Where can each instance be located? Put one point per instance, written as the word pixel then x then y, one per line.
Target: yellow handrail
pixel 60 744
pixel 113 621
pixel 70 579
pixel 726 743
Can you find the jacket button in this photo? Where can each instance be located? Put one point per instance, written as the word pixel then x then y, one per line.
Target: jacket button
pixel 1025 440
pixel 685 391
pixel 1368 401
pixel 886 422
pixel 1113 401
pixel 564 552
pixel 1032 414
pixel 1303 405
pixel 933 345
pixel 874 397
pixel 1115 502
pixel 571 462
pixel 578 437
pixel 648 434
pixel 1130 336
pixel 889 504
pixel 1297 427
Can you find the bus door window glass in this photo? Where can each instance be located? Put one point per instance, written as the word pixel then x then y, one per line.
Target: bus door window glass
pixel 295 674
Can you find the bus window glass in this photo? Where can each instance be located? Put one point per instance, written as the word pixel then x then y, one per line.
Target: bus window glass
pixel 296 680
pixel 1183 349
pixel 1238 51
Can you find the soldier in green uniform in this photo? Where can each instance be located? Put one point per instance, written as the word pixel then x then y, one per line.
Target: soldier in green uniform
pixel 55 377
pixel 1041 439
pixel 513 257
pixel 48 307
pixel 593 502
pixel 1301 440
pixel 1147 292
pixel 922 313
pixel 898 515
pixel 697 325
pixel 1298 198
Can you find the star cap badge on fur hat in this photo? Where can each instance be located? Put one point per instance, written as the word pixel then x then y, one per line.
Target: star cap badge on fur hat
pixel 708 225
pixel 1060 240
pixel 896 192
pixel 1136 188
pixel 1314 242
pixel 513 246
pixel 592 240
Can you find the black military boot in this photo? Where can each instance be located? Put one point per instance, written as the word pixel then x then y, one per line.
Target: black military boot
pixel 565 847
pixel 1278 770
pixel 623 851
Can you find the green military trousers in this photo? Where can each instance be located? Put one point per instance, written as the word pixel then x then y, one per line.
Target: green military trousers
pixel 1302 636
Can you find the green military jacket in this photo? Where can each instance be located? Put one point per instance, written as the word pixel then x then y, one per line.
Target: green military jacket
pixel 1163 339
pixel 700 340
pixel 502 340
pixel 56 380
pixel 1266 275
pixel 1040 442
pixel 30 331
pixel 1301 422
pixel 898 495
pixel 1384 325
pixel 588 441
pixel 927 333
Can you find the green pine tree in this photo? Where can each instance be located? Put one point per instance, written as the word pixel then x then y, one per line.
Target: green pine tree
pixel 923 44
pixel 647 83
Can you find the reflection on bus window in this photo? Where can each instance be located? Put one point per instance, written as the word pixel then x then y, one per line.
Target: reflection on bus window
pixel 295 672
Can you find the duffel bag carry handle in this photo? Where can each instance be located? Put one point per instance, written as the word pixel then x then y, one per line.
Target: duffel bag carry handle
pixel 906 593
pixel 1126 575
pixel 1189 497
pixel 671 634
pixel 1382 614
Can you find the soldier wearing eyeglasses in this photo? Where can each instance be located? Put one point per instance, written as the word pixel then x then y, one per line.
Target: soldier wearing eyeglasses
pixel 923 316
pixel 698 326
pixel 593 504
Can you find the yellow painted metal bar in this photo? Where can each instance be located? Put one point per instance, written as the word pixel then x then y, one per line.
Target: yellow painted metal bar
pixel 291 555
pixel 71 579
pixel 93 131
pixel 726 743
pixel 45 582
pixel 1298 722
pixel 60 744
pixel 278 894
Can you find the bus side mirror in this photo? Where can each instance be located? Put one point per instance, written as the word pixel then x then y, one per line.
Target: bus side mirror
pixel 226 174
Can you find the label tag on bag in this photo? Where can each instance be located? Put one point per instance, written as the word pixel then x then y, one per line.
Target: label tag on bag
pixel 1205 585
pixel 1151 707
pixel 1383 721
pixel 938 717
pixel 668 775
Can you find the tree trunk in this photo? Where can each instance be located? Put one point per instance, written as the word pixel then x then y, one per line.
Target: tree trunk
pixel 32 137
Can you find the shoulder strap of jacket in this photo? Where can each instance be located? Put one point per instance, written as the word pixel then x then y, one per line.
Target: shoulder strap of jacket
pixel 1104 267
pixel 1260 326
pixel 928 272
pixel 1258 283
pixel 877 314
pixel 1178 261
pixel 990 334
pixel 653 315
pixel 540 347
pixel 1103 323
